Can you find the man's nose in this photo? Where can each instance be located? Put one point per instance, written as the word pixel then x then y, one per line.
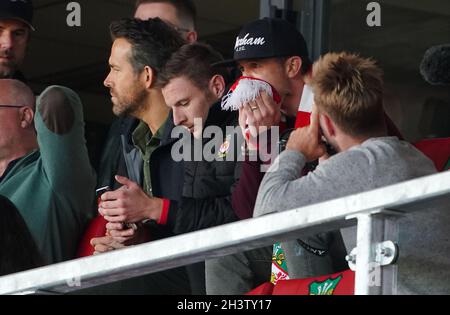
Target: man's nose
pixel 107 81
pixel 6 40
pixel 178 117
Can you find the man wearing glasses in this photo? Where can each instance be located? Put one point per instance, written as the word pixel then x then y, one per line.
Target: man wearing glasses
pixel 44 165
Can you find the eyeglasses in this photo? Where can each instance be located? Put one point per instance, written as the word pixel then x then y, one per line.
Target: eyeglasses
pixel 11 106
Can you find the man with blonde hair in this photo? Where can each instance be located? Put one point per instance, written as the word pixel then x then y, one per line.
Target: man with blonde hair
pixel 349 114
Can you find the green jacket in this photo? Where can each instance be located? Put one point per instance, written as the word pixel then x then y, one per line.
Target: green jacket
pixel 54 187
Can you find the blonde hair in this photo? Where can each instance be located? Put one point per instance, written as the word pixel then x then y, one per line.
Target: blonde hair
pixel 349 89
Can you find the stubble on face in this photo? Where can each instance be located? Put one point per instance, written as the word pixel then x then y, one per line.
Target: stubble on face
pixel 12 56
pixel 8 66
pixel 131 103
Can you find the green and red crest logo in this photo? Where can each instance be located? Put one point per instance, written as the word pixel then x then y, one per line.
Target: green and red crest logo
pixel 326 287
pixel 225 148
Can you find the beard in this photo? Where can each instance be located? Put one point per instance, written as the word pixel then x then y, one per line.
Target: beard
pixel 8 66
pixel 7 69
pixel 130 104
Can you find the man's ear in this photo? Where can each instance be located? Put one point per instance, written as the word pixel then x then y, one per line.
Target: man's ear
pixel 293 66
pixel 191 37
pixel 217 85
pixel 327 125
pixel 26 117
pixel 148 77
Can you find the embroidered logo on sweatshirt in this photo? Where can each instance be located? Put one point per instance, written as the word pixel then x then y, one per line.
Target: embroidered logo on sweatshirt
pixel 225 147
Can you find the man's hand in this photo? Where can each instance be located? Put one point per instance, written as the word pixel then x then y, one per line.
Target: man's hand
pixel 259 115
pixel 128 236
pixel 105 244
pixel 121 233
pixel 129 204
pixel 307 140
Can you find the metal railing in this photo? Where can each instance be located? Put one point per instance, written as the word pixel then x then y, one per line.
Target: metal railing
pixel 371 211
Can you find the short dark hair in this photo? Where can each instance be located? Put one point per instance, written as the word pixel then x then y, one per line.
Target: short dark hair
pixel 195 62
pixel 185 9
pixel 152 41
pixel 306 65
pixel 18 250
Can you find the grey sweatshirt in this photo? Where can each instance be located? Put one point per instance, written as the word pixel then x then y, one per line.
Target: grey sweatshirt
pixel 376 163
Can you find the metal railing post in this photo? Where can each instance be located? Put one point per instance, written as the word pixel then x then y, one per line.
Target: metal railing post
pixel 376 253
